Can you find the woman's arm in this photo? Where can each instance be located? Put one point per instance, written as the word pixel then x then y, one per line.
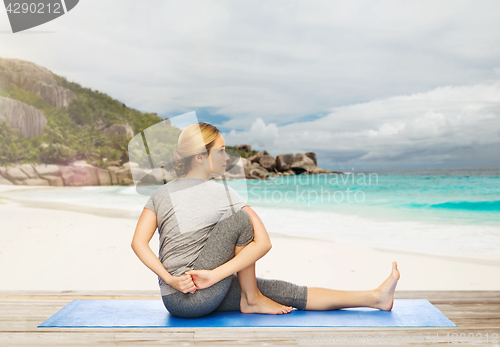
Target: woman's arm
pixel 144 232
pixel 253 251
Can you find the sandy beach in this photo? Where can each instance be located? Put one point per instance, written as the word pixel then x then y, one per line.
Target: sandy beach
pixel 56 247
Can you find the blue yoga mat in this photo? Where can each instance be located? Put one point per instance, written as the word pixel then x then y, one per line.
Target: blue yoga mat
pixel 152 313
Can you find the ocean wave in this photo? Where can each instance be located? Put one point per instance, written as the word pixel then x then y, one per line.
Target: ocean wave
pixel 462 205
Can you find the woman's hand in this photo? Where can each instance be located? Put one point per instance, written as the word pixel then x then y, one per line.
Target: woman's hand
pixel 183 283
pixel 202 278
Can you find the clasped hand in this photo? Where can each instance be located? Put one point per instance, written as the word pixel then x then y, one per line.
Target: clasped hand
pixel 193 280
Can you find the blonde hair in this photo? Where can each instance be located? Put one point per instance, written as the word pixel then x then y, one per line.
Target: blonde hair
pixel 195 139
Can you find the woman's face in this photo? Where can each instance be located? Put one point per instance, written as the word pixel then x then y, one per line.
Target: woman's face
pixel 218 157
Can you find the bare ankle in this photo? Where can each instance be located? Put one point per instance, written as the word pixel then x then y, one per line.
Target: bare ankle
pixel 251 297
pixel 376 296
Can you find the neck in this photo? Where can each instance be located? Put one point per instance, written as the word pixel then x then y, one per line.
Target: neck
pixel 195 175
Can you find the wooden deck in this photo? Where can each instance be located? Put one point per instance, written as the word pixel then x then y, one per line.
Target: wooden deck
pixel 476 314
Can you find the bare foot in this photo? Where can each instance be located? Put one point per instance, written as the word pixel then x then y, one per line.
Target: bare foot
pixel 384 294
pixel 262 304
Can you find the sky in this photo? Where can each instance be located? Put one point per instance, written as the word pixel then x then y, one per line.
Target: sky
pixel 364 84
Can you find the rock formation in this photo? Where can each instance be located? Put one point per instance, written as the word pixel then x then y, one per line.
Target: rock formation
pixel 262 165
pixel 244 148
pixel 312 156
pixel 284 162
pixel 302 163
pixel 29 120
pixel 36 79
pixel 119 130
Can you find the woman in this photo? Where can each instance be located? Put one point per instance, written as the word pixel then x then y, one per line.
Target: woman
pixel 208 234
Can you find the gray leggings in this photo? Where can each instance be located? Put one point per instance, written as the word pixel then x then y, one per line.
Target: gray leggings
pixel 236 230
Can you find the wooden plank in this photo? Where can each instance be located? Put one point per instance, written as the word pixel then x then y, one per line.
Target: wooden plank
pixel 236 336
pixel 473 312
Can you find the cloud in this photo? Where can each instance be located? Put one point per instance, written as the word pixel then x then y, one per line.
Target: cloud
pixel 443 125
pixel 274 60
pixel 260 135
pixel 387 82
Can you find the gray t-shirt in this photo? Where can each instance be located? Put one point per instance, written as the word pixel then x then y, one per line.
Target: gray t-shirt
pixel 187 209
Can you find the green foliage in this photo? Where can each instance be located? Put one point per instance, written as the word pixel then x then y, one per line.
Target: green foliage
pixel 93 105
pixel 81 112
pixel 242 154
pixel 26 97
pixel 72 132
pixel 15 147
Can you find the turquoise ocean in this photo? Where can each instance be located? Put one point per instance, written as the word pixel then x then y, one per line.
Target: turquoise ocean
pixel 441 211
